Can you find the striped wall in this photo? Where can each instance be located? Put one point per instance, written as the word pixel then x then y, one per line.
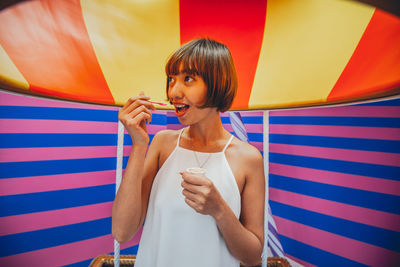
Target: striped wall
pixel 335 183
pixel 334 180
pixel 57 181
pixel 57 178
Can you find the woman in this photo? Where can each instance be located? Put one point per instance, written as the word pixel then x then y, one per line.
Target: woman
pixel 191 220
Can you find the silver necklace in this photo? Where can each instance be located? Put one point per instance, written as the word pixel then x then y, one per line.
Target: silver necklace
pixel 196 157
pixel 198 161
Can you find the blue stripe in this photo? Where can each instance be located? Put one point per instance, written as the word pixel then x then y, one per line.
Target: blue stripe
pixel 341 166
pixel 315 255
pixel 172 120
pixel 125 161
pixel 52 167
pixel 129 251
pixel 361 198
pixel 53 200
pixel 255 137
pixel 53 113
pixel 253 120
pixel 337 142
pixel 393 102
pixel 40 239
pixel 365 233
pixel 337 121
pixel 128 139
pixel 71 114
pixel 56 140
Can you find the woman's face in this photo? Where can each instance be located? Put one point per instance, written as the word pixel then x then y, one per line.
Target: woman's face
pixel 187 92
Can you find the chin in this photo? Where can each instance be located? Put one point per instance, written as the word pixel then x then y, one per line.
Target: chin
pixel 184 121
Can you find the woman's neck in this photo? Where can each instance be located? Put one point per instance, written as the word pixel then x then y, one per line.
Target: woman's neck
pixel 207 134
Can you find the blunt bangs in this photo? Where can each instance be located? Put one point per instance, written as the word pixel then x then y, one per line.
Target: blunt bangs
pixel 213 62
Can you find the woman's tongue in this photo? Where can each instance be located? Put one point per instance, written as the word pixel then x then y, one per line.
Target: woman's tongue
pixel 181 109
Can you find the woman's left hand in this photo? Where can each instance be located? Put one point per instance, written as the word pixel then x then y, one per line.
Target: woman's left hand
pixel 201 194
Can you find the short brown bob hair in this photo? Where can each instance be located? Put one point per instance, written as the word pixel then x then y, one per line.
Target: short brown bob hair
pixel 213 62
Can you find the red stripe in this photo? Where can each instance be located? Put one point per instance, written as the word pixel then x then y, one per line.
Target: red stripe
pixel 362 215
pixel 237 23
pixel 375 64
pixel 349 248
pixel 49 44
pixel 54 218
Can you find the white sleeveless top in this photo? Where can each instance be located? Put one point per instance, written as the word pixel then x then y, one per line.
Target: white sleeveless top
pixel 174 234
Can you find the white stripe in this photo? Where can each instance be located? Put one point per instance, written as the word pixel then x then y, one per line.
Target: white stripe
pixel 118 178
pixel 275 249
pixel 266 171
pixel 120 155
pixel 271 236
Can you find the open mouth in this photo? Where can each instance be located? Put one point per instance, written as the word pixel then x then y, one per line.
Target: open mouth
pixel 180 109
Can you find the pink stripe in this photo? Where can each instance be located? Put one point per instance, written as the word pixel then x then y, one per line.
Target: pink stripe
pixel 304 263
pixel 336 244
pixel 244 113
pixel 56 126
pixel 13 99
pixel 251 113
pixel 250 128
pixel 372 157
pixel 175 126
pixel 384 186
pixel 152 129
pixel 337 131
pixel 35 184
pixel 48 219
pixel 346 111
pixel 127 150
pixel 376 218
pixel 55 153
pixel 67 254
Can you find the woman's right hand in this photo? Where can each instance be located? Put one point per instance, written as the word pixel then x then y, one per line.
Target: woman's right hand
pixel 134 115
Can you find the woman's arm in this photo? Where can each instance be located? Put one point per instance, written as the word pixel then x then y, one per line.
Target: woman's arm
pixel 130 203
pixel 244 238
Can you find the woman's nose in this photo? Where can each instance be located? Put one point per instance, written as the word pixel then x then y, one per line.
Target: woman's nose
pixel 175 91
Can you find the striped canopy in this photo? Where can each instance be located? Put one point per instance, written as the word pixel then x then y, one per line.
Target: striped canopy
pixel 287 53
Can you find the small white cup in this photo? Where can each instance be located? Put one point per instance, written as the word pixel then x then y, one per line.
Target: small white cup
pixel 196 171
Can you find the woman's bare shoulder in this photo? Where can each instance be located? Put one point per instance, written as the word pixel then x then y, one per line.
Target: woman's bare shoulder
pixel 165 138
pixel 245 151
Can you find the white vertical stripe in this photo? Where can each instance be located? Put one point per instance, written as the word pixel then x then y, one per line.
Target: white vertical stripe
pixel 266 171
pixel 120 155
pixel 118 178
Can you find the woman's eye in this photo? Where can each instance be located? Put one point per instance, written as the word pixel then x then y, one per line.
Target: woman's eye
pixel 170 79
pixel 188 78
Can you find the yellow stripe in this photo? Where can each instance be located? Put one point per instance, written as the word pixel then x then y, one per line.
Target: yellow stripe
pixel 306 46
pixel 10 77
pixel 132 41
